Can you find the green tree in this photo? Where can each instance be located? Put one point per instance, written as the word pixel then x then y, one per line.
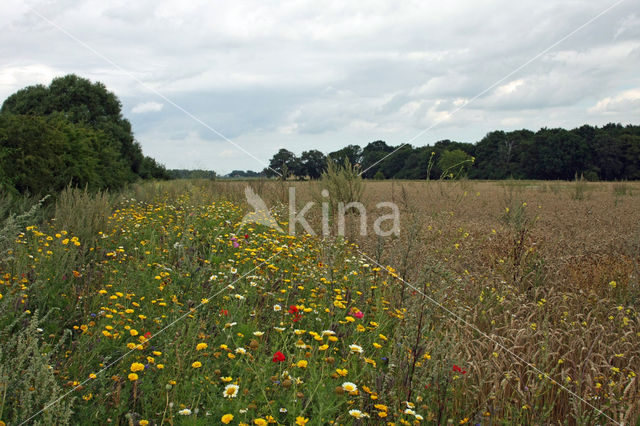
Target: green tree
pixel 89 104
pixel 43 154
pixel 284 164
pixel 350 153
pixel 454 164
pixel 372 154
pixel 312 163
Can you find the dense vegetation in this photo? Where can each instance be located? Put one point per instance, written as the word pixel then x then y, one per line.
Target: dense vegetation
pixel 611 152
pixel 191 174
pixel 70 132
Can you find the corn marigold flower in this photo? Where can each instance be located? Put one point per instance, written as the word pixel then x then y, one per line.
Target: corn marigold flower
pixel 196 364
pixel 230 391
pixel 355 348
pixel 136 366
pixel 133 377
pixel 226 419
pixel 301 421
pixel 357 414
pixel 349 387
pixel 201 346
pixel 302 363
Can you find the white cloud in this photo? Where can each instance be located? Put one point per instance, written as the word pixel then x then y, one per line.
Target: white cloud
pixel 628 100
pixel 147 107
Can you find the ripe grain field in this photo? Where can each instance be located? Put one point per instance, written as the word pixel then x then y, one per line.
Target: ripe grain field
pixel 498 303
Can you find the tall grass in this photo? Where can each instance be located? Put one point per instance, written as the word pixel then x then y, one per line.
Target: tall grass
pixel 83 213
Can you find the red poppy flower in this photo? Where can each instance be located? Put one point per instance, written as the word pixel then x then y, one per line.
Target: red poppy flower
pixel 224 312
pixel 458 369
pixel 147 335
pixel 278 357
pixel 293 309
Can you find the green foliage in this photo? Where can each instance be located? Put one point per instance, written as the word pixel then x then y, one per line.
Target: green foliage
pixel 43 154
pixel 27 381
pixel 283 164
pixel 82 213
pixel 197 174
pixel 12 223
pixel 313 164
pixel 579 188
pixel 454 163
pixel 343 182
pixel 73 132
pixel 350 153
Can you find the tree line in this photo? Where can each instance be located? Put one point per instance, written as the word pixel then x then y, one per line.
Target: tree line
pixel 611 152
pixel 71 132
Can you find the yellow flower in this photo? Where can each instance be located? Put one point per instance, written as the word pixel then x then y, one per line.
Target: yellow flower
pixel 226 419
pixel 201 346
pixel 260 422
pixel 144 422
pixel 196 364
pixel 323 348
pixel 302 364
pixel 160 366
pixel 133 377
pixel 342 371
pixel 136 366
pixel 301 421
pixel 133 332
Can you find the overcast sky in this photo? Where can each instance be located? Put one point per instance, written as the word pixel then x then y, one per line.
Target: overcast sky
pixel 320 75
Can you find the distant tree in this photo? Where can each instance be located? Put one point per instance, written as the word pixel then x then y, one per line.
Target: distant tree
pixel 392 166
pixel 372 154
pixel 350 153
pixel 284 164
pixel 454 164
pixel 313 163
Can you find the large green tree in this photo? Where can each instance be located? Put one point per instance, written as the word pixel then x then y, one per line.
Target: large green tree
pixel 43 154
pixel 89 104
pixel 312 164
pixel 283 164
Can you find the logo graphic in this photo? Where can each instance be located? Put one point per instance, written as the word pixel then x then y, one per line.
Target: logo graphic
pixel 260 213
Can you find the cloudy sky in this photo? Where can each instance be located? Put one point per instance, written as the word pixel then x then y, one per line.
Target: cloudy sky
pixel 204 81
